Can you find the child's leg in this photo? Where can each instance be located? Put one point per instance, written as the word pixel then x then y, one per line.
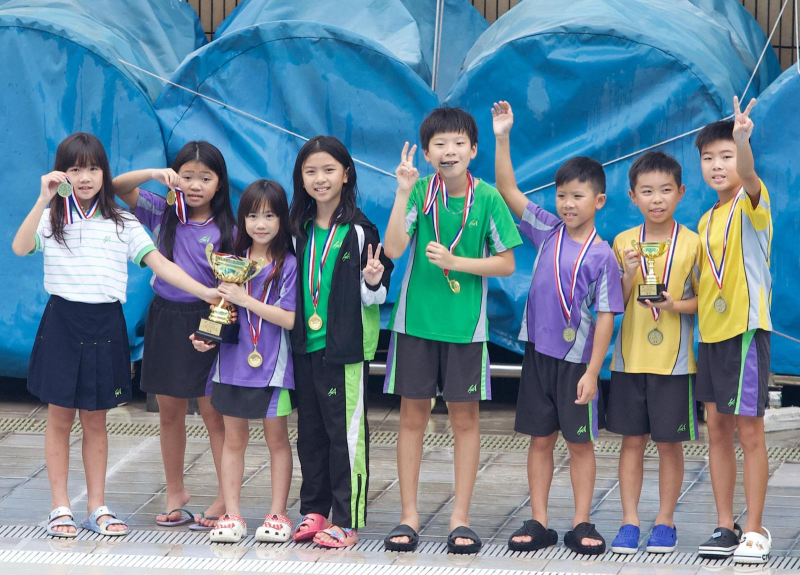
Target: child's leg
pixel 414 416
pixel 670 480
pixel 95 461
pixel 56 453
pixel 722 462
pixel 465 421
pixel 172 433
pixel 276 432
pixel 237 435
pixel 631 475
pixel 756 468
pixel 215 424
pixel 582 472
pixel 540 476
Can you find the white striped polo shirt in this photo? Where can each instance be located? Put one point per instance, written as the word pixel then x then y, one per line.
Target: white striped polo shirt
pixel 93 265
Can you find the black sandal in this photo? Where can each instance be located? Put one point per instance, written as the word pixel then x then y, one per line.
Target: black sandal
pixel 463 532
pixel 540 535
pixel 573 539
pixel 402 530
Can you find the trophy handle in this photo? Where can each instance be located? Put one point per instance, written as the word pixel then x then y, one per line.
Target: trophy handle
pixel 258 265
pixel 209 251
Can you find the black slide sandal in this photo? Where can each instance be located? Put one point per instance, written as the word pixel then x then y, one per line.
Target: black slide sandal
pixel 541 537
pixel 463 532
pixel 573 540
pixel 402 530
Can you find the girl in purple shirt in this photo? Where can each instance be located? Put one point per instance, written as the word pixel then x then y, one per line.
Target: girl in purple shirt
pixel 196 212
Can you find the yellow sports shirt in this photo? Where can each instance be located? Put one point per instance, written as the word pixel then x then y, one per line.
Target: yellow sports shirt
pixel 674 355
pixel 746 281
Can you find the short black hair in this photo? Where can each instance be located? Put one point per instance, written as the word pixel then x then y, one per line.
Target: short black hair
pixel 448 120
pixel 582 169
pixel 722 130
pixel 656 161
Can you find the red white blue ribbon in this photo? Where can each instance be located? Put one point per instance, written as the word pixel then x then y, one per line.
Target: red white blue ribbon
pixel 667 265
pixel 566 306
pixel 71 201
pixel 437 185
pixel 313 270
pixel 719 271
pixel 255 330
pixel 183 212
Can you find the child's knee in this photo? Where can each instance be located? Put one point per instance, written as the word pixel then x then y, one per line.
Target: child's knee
pixel 581 450
pixel 236 439
pixel 464 416
pixel 634 442
pixel 544 444
pixel 751 433
pixel 414 414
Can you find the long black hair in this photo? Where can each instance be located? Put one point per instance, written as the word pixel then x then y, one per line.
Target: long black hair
pixel 84 150
pixel 221 208
pixel 303 206
pixel 257 197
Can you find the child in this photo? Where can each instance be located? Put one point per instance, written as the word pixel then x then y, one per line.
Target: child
pixel 653 363
pixel 574 271
pixel 734 319
pixel 80 358
pixel 342 277
pixel 439 320
pixel 200 215
pixel 254 378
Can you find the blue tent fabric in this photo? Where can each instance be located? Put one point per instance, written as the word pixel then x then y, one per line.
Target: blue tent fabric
pixel 61 75
pixel 775 141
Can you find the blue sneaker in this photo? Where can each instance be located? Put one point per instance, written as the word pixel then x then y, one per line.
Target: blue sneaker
pixel 627 540
pixel 663 539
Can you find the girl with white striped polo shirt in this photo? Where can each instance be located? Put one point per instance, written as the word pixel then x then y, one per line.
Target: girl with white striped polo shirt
pixel 80 358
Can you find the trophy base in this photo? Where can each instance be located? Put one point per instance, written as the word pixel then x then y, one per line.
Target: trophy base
pixel 216 333
pixel 651 292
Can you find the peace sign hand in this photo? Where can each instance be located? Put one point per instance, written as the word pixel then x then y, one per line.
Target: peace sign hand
pixel 407 174
pixel 743 125
pixel 373 271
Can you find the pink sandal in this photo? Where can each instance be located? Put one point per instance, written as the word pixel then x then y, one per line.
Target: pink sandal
pixel 342 537
pixel 314 523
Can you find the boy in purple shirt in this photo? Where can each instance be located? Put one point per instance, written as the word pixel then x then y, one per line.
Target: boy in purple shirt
pixel 574 272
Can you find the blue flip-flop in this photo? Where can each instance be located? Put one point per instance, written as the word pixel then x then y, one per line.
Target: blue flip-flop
pixel 199 527
pixel 102 529
pixel 186 517
pixel 67 521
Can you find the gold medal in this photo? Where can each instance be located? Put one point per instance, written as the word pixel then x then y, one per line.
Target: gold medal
pixel 315 322
pixel 171 197
pixel 655 337
pixel 455 287
pixel 254 359
pixel 569 334
pixel 720 305
pixel 64 189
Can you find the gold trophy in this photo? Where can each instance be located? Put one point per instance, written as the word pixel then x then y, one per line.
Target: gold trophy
pixel 231 269
pixel 651 289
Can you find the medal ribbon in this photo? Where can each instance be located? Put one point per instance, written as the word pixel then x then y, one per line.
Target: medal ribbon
pixel 72 201
pixel 312 257
pixel 566 308
pixel 719 272
pixel 183 212
pixel 255 330
pixel 667 265
pixel 430 205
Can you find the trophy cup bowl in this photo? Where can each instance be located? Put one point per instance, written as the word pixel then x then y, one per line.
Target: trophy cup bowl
pixel 230 269
pixel 651 288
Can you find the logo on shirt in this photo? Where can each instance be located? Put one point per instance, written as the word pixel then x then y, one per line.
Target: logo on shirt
pixel 682 428
pixel 731 402
pixel 337 245
pixel 346 256
pixel 106 239
pixel 332 391
pixel 581 430
pixel 205 239
pixel 473 223
pixel 473 388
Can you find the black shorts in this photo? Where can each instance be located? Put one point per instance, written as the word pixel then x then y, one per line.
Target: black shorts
pixel 170 363
pixel 416 366
pixel 734 373
pixel 661 405
pixel 252 402
pixel 548 389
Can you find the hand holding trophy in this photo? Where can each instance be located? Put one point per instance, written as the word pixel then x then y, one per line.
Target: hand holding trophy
pixel 651 288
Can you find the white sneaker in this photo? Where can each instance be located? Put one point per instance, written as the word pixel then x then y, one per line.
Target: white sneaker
pixel 754 548
pixel 229 529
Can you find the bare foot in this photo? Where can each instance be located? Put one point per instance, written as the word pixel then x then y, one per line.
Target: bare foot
pixel 64 528
pixel 412 522
pixel 323 537
pixel 116 528
pixel 214 510
pixel 180 500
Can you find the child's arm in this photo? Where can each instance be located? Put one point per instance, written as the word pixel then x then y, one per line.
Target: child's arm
pixel 587 385
pixel 237 295
pixel 500 265
pixel 25 240
pixel 172 274
pixel 745 164
pixel 687 306
pixel 396 239
pixel 502 121
pixel 126 186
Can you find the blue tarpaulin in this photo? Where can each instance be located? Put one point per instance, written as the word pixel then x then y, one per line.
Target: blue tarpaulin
pixel 61 75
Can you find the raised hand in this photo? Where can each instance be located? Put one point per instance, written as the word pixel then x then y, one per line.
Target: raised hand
pixel 502 118
pixel 742 124
pixel 50 185
pixel 166 176
pixel 407 174
pixel 373 271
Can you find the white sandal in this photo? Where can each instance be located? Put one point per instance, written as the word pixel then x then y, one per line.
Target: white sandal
pixel 229 529
pixel 67 520
pixel 754 548
pixel 276 529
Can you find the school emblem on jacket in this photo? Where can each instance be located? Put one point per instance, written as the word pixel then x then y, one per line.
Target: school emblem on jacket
pixel 346 256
